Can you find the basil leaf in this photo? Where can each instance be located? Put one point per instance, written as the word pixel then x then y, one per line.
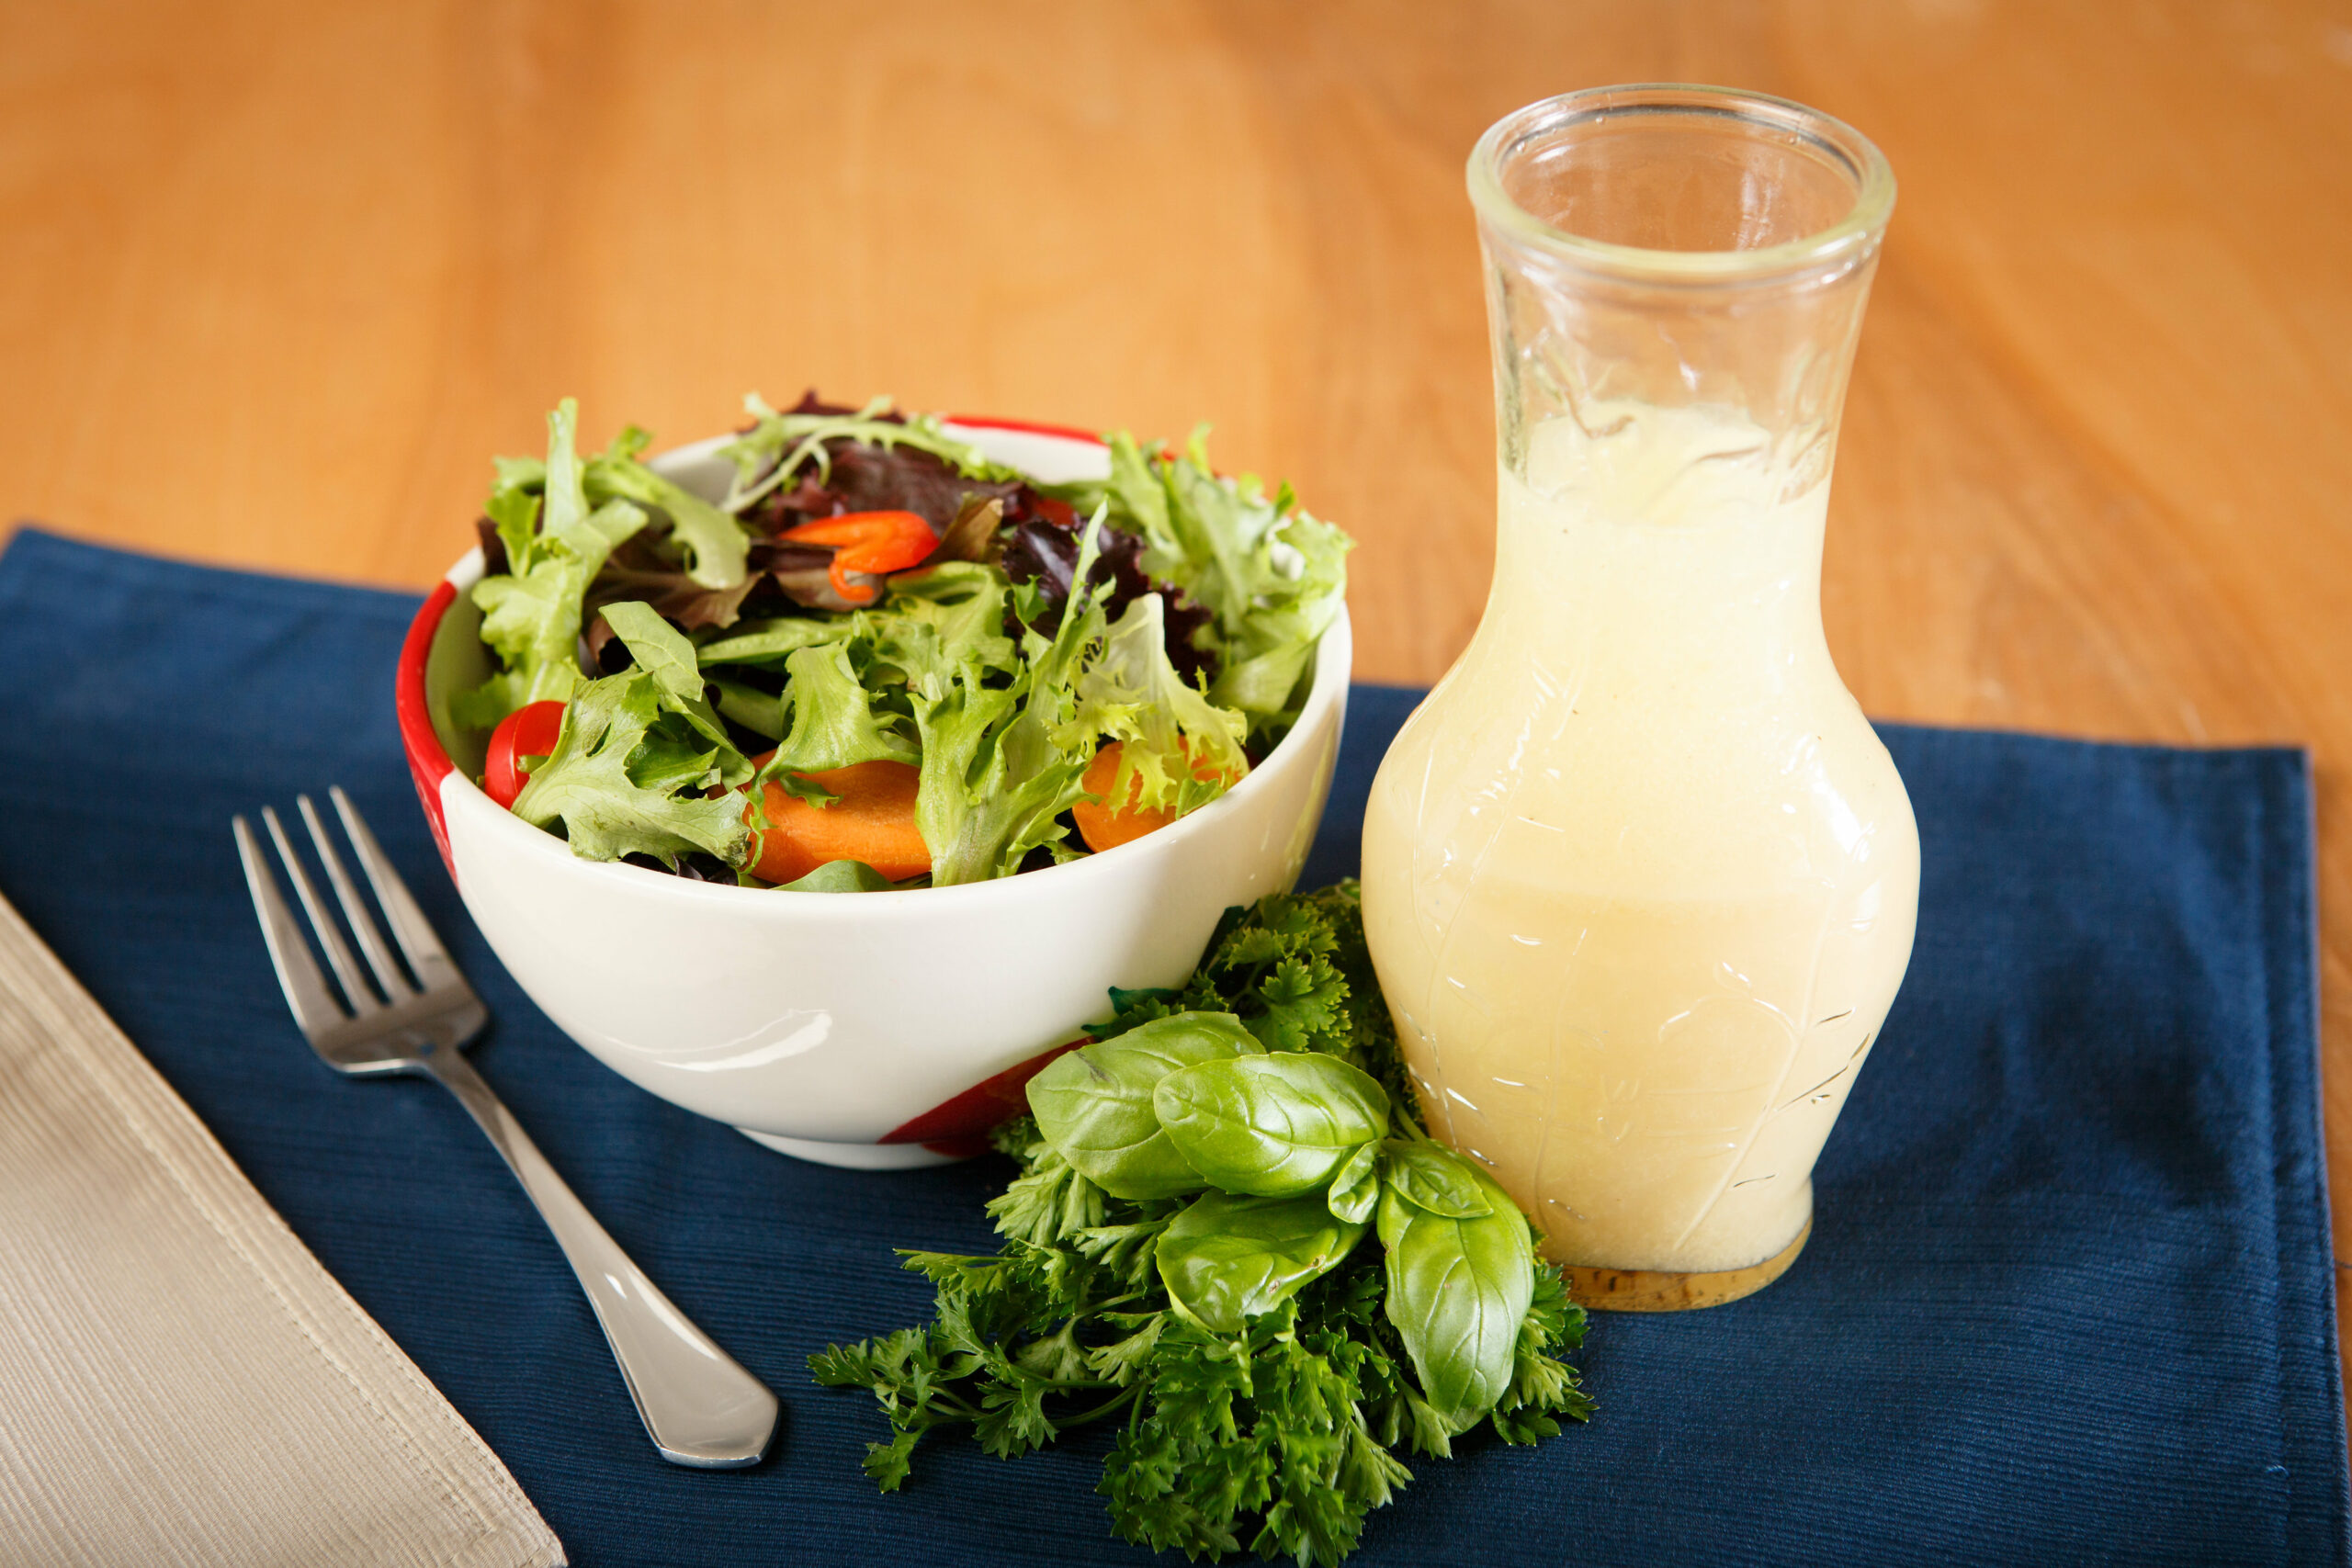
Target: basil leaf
pixel 1434 1178
pixel 1271 1126
pixel 1355 1186
pixel 1095 1104
pixel 1458 1290
pixel 1225 1259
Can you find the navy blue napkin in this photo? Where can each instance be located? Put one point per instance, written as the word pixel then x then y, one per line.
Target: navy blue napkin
pixel 2069 1297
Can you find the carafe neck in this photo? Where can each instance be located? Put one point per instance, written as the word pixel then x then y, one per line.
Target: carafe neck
pixel 1676 279
pixel 1657 554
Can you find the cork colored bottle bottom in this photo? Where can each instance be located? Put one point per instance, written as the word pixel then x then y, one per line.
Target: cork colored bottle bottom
pixel 1646 1290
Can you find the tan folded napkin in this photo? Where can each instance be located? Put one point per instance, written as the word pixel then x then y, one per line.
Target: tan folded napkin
pixel 180 1382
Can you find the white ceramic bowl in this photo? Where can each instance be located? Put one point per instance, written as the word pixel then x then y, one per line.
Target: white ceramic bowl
pixel 874 1030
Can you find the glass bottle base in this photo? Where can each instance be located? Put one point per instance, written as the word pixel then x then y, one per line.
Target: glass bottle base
pixel 1657 1290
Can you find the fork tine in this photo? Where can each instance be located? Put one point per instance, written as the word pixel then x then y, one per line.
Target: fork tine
pixel 388 978
pixel 298 973
pixel 427 959
pixel 354 990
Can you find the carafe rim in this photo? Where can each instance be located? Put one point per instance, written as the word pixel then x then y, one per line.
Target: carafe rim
pixel 1850 241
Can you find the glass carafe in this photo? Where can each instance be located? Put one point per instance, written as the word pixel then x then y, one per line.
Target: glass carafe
pixel 1640 879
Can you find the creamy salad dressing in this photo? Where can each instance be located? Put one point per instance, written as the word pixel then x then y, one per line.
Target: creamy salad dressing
pixel 1639 878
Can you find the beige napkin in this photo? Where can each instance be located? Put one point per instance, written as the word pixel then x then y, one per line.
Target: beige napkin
pixel 180 1382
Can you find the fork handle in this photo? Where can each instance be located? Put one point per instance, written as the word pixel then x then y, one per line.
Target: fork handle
pixel 697 1402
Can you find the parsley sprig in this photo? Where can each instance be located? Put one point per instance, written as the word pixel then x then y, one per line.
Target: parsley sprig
pixel 1279 1430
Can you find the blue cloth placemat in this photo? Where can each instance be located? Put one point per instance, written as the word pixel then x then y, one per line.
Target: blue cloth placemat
pixel 2069 1298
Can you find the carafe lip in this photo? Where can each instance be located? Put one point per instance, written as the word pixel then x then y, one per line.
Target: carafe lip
pixel 1851 239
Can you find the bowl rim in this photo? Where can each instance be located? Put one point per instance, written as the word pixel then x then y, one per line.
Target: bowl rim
pixel 431 767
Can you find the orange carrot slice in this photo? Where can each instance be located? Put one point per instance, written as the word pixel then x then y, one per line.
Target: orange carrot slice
pixel 1107 826
pixel 873 821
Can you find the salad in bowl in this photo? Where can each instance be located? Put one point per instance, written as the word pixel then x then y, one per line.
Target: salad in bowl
pixel 925 666
pixel 1048 704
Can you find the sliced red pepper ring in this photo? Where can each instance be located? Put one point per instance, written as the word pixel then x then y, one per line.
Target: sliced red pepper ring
pixel 529 731
pixel 869 542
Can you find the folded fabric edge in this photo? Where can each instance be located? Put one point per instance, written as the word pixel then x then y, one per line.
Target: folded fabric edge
pixel 512 1534
pixel 32 549
pixel 2312 1367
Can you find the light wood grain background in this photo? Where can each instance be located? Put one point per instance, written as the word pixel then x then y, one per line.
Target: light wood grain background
pixel 276 279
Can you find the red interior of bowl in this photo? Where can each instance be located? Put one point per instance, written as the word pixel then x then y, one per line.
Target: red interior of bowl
pixel 428 765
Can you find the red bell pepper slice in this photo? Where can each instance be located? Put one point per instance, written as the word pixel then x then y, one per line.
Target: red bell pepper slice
pixel 872 542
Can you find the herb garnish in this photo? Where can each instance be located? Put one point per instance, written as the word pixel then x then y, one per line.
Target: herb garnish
pixel 1188 1250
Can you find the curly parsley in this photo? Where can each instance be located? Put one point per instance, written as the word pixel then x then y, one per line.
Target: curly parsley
pixel 1266 1368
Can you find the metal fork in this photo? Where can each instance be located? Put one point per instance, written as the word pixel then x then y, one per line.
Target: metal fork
pixel 699 1406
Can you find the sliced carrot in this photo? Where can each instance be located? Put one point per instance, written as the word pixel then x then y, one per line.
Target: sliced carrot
pixel 873 821
pixel 1106 826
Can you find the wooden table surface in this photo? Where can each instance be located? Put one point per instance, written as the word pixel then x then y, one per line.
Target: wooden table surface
pixel 276 280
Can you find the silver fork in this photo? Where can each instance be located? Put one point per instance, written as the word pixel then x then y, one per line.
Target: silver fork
pixel 699 1406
